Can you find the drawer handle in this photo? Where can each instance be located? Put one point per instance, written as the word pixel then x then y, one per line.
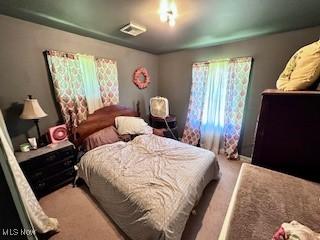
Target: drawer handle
pixel 67 153
pixel 68 158
pixel 41 185
pixel 51 158
pixel 66 163
pixel 38 174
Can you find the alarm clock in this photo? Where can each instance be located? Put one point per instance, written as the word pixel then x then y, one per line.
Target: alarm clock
pixel 58 133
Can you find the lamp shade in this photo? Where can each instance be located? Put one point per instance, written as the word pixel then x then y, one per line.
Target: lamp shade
pixel 32 110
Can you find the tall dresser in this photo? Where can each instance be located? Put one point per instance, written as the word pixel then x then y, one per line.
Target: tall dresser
pixel 288 133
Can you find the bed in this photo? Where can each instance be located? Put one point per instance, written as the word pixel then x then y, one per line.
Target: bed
pixel 149 185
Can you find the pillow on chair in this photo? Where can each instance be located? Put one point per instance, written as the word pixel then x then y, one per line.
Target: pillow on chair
pixel 302 70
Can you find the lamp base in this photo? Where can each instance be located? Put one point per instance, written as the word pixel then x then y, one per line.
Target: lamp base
pixel 40 140
pixel 40 143
pixel 43 140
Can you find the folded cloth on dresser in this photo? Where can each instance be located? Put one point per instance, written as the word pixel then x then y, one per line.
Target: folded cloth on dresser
pixel 295 231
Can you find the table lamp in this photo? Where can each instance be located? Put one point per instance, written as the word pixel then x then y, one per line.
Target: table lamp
pixel 33 111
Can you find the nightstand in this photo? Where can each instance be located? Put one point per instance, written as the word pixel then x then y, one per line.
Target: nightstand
pixel 159 123
pixel 48 168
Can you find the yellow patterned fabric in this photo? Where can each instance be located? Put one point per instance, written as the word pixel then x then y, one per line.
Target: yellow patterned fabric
pixel 302 70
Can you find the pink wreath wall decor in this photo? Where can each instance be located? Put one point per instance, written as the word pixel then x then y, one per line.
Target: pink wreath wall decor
pixel 141 84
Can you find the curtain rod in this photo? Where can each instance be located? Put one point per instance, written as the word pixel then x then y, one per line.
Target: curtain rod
pixel 47 51
pixel 222 60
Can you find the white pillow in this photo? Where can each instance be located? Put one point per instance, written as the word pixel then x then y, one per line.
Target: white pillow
pixel 132 125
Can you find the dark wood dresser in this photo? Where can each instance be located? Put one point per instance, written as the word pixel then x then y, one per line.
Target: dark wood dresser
pixel 49 167
pixel 288 133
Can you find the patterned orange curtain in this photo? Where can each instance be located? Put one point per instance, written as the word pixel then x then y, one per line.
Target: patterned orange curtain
pixel 67 82
pixel 236 74
pixel 108 81
pixel 191 133
pixel 69 88
pixel 239 74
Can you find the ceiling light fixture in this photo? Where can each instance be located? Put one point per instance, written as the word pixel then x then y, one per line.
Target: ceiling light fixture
pixel 168 12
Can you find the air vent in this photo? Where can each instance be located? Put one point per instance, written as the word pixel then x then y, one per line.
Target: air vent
pixel 133 29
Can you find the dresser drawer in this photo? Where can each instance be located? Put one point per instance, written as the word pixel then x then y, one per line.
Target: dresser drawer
pixel 39 162
pixel 48 167
pixel 52 169
pixel 51 183
pixel 61 177
pixel 36 165
pixel 67 152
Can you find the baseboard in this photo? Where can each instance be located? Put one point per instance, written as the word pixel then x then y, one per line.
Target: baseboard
pixel 245 159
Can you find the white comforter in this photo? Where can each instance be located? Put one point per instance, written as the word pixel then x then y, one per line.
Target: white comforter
pixel 148 186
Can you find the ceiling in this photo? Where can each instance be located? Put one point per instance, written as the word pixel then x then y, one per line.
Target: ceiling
pixel 200 23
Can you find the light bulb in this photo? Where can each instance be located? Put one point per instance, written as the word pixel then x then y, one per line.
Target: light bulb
pixel 163 17
pixel 164 6
pixel 173 9
pixel 168 12
pixel 172 21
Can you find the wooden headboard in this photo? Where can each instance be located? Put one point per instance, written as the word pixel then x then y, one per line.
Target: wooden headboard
pixel 102 118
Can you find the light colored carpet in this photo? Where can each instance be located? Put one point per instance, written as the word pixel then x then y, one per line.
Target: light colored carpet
pixel 81 218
